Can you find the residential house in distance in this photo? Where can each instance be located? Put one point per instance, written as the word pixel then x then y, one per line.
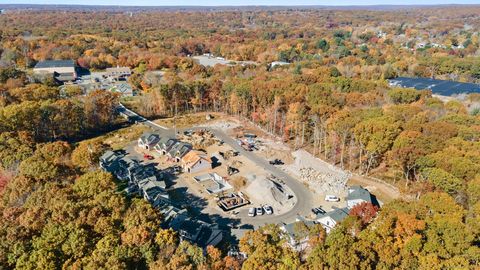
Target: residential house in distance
pixel 164 145
pixel 108 161
pixel 330 219
pixel 357 195
pixel 61 70
pixel 297 239
pixel 148 141
pixel 153 190
pixel 179 150
pixel 196 161
pixel 118 73
pixel 123 89
pixel 199 232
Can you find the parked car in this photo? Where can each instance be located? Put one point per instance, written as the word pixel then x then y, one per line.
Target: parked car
pixel 259 211
pixel 268 209
pixel 332 198
pixel 251 212
pixel 276 162
pixel 318 210
pixel 148 157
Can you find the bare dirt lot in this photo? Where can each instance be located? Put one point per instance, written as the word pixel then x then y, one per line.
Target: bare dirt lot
pixel 384 192
pixel 271 149
pixel 189 120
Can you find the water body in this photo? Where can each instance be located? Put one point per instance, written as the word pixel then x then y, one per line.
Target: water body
pixel 438 87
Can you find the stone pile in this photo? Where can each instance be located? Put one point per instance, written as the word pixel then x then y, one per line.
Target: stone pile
pixel 324 182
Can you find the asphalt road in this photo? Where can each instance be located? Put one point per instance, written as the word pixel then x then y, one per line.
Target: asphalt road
pixel 136 118
pixel 303 196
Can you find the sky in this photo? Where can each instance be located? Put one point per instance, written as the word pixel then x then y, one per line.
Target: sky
pixel 238 2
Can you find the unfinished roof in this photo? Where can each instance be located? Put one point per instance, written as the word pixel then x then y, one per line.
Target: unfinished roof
pixel 193 157
pixel 55 63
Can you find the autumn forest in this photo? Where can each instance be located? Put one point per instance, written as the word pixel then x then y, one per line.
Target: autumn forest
pixel 330 96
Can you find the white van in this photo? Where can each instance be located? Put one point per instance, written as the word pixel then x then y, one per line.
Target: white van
pixel 332 198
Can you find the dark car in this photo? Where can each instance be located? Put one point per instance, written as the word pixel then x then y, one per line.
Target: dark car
pixel 276 162
pixel 318 210
pixel 176 169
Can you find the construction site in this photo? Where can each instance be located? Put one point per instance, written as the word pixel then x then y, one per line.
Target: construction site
pixel 229 180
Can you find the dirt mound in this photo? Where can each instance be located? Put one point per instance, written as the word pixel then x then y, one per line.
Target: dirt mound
pixel 265 191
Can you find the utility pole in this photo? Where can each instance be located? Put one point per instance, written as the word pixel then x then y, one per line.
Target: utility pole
pixel 303 133
pixel 275 121
pixel 175 115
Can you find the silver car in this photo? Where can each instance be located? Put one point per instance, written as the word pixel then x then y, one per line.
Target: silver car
pixel 251 212
pixel 268 209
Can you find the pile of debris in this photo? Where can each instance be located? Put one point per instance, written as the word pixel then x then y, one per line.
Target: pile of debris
pixel 200 139
pixel 324 182
pixel 229 154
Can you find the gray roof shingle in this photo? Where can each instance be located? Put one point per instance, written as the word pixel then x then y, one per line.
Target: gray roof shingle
pixel 55 63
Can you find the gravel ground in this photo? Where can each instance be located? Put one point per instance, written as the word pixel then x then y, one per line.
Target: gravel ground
pixel 321 177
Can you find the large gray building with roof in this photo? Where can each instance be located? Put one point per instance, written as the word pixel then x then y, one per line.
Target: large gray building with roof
pixel 438 87
pixel 357 195
pixel 61 70
pixel 330 219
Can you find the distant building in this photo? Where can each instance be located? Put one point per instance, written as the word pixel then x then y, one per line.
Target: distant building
pixel 199 232
pixel 61 70
pixel 164 145
pixel 179 150
pixel 438 87
pixel 330 219
pixel 297 240
pixel 118 73
pixel 357 195
pixel 148 141
pixel 195 161
pixel 2 11
pixel 122 88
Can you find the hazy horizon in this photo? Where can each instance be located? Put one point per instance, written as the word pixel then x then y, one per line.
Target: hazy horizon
pixel 242 3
